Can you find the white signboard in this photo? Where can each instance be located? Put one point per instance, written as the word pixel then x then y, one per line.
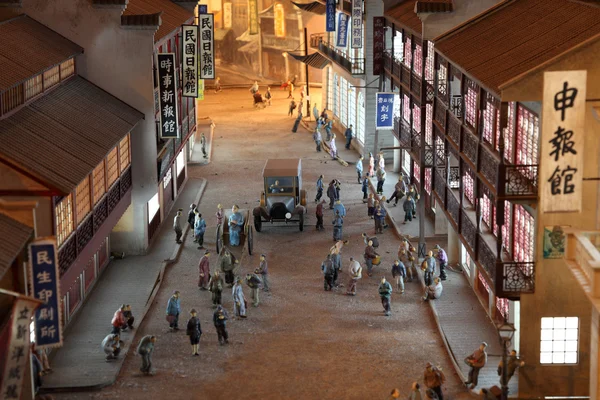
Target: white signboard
pixel 189 59
pixel 357 24
pixel 227 15
pixel 207 46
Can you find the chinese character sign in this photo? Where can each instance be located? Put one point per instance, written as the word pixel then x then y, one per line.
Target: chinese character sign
pixel 202 8
pixel 252 17
pixel 342 32
pixel 378 24
pixel 207 46
pixel 330 16
pixel 17 348
pixel 167 85
pixel 561 156
pixel 385 110
pixel 190 60
pixel 227 15
pixel 279 20
pixel 357 24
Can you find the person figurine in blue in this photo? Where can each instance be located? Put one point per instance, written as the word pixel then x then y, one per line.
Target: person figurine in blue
pixel 359 168
pixel 338 223
pixel 348 134
pixel 316 112
pixel 319 188
pixel 328 127
pixel 173 310
pixel 339 207
pixel 199 229
pixel 236 223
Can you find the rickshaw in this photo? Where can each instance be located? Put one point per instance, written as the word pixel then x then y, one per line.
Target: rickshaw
pixel 246 235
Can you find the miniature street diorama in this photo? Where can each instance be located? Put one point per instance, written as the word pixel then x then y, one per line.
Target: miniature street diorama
pixel 301 200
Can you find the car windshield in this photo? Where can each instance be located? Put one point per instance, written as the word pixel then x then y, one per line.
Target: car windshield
pixel 280 185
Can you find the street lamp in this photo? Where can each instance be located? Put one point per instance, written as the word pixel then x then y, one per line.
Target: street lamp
pixel 506 332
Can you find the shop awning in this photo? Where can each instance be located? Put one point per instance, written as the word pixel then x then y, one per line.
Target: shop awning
pixel 250 47
pixel 315 7
pixel 221 33
pixel 315 60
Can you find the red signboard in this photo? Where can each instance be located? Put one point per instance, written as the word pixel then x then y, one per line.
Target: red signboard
pixel 378 44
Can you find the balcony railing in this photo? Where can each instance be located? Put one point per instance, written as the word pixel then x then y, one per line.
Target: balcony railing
pixel 356 66
pixel 520 180
pixel 517 278
pixel 583 258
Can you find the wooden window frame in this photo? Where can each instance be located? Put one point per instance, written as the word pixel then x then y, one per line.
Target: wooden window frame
pixel 63 219
pixel 428 180
pixel 112 167
pixel 418 60
pixel 469 186
pixel 523 235
pixel 408 52
pixel 406 114
pixel 124 156
pixel 416 171
pixel 97 192
pixel 82 191
pixel 51 73
pixel 31 86
pixel 528 137
pixel 470 107
pixel 67 69
pixel 416 118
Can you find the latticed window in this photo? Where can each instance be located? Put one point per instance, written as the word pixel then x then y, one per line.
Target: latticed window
pixel 507 227
pixel 112 166
pixel 124 159
pixel 486 210
pixel 509 133
pixel 398 46
pixel 344 96
pixel 489 119
pixel 502 305
pixel 416 118
pixel 63 212
pixel 51 77
pixel 470 106
pixel 408 52
pixel 406 162
pixel 406 108
pixel 12 98
pixel 428 180
pixel 99 182
pixel 67 68
pixel 33 86
pixel 442 75
pixel 468 185
pixel 524 232
pixel 418 64
pixel 351 108
pixel 528 135
pixel 82 200
pixel 429 62
pixel 329 90
pixel 428 124
pixel 416 171
pixel 337 100
pixel 360 119
pixel 397 102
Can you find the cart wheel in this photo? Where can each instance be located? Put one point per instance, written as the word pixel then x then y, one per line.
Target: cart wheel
pixel 257 223
pixel 303 198
pixel 250 240
pixel 301 222
pixel 218 240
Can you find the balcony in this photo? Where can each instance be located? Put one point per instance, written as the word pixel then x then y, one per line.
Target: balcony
pixel 355 66
pixel 582 254
pixel 278 43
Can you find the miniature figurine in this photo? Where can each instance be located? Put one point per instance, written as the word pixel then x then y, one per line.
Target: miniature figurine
pixel 319 215
pixel 128 316
pixel 292 106
pixel 194 331
pixel 220 214
pixel 381 161
pixel 203 144
pixel 412 192
pixel 332 147
pixel 359 168
pixel 379 215
pixel 380 180
pixel 369 256
pixel 236 223
pixel 338 223
pixel 112 346
pixel 338 246
pixel 367 238
pixel 298 119
pixel 430 395
pixel 42 357
pixel 254 282
pixel 204 271
pixel 145 349
pixel 177 226
pixel 316 112
pixel 399 190
pixel 399 273
pixel 218 85
pixel 415 392
pixel 338 206
pixel 215 286
pixel 349 135
pixel 324 113
pixel 409 209
pixel 336 258
pixel 228 265
pixel 254 87
pixel 355 272
pixel 173 310
pixel 319 188
pixel 263 271
pixel 365 188
pixel 434 291
pixel 192 217
pixel 476 361
pixel 199 230
pixel 338 187
pixel 268 95
pixel 442 258
pixel 220 318
pixel 328 270
pixel 239 300
pixel 328 127
pixel 371 165
pixel 513 363
pixel 428 268
pixel 118 321
pixel 317 138
pixel 371 205
pixel 385 292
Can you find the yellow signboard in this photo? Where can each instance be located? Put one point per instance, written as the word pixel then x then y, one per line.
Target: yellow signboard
pixel 563 130
pixel 200 89
pixel 227 15
pixel 279 20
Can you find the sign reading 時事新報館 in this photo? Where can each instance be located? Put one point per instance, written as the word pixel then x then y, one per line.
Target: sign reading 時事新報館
pixel 189 58
pixel 167 84
pixel 563 129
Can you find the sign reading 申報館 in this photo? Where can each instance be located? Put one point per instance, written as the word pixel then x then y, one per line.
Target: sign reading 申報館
pixel 189 58
pixel 167 85
pixel 207 46
pixel 561 157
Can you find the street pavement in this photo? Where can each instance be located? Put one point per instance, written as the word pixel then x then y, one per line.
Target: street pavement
pixel 301 342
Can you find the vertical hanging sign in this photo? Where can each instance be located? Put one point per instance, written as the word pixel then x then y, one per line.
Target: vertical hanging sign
pixel 17 348
pixel 357 24
pixel 200 89
pixel 167 84
pixel 190 60
pixel 385 109
pixel 279 14
pixel 253 17
pixel 378 24
pixel 44 280
pixel 330 16
pixel 227 15
pixel 342 32
pixel 207 59
pixel 563 127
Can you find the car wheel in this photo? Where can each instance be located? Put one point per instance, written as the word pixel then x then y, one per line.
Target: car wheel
pixel 301 222
pixel 257 223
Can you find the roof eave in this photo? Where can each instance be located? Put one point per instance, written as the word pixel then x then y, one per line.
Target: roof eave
pixel 495 92
pixel 142 21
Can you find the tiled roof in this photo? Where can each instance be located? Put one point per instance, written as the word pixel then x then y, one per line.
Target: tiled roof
pixel 29 48
pixel 404 16
pixel 430 6
pixel 13 238
pixel 316 7
pixel 61 137
pixel 173 15
pixel 110 2
pixel 517 36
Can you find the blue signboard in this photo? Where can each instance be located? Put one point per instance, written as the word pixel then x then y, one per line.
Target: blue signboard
pixel 342 33
pixel 385 110
pixel 45 286
pixel 330 16
pixel 202 9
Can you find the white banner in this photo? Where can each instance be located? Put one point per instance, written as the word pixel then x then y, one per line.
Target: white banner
pixel 227 15
pixel 207 46
pixel 563 129
pixel 189 60
pixel 357 24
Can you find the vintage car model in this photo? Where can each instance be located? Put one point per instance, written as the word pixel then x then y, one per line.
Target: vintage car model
pixel 283 199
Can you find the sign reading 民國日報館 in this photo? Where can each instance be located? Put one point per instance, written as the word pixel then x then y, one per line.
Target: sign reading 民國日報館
pixel 562 142
pixel 207 46
pixel 189 57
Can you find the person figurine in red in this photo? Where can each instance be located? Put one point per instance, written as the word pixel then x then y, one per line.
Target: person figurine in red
pixel 476 361
pixel 204 271
pixel 118 321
